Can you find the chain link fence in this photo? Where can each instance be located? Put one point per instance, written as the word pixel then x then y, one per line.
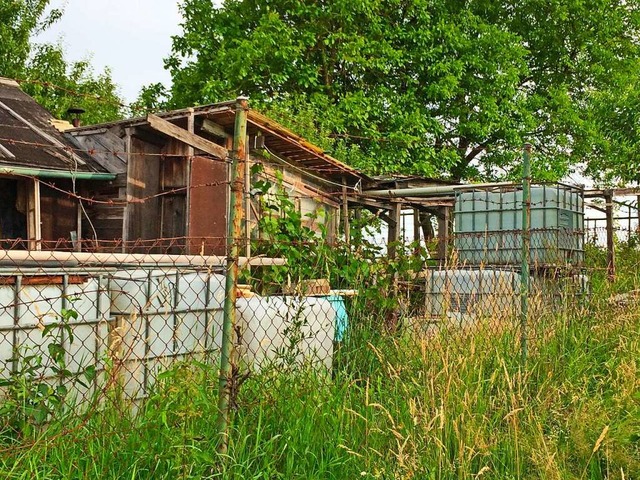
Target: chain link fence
pixel 81 329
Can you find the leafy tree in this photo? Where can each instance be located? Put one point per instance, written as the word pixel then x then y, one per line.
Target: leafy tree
pixel 425 86
pixel 42 69
pixel 19 21
pixel 58 85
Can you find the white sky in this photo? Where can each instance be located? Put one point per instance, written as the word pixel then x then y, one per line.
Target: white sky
pixel 132 37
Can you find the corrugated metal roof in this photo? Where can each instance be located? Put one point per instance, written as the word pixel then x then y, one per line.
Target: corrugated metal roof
pixel 28 139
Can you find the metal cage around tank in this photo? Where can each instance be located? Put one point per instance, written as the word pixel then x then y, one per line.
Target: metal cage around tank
pixel 488 226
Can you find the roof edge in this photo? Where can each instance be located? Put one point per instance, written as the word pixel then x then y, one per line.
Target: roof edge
pixel 10 82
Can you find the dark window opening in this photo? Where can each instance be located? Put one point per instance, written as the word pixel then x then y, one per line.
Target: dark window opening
pixel 13 208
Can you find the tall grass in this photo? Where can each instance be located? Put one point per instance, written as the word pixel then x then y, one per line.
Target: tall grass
pixel 395 406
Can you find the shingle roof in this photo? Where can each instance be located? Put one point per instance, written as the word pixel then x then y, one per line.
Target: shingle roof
pixel 28 139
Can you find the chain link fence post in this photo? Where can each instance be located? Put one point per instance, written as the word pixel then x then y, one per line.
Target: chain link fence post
pixel 234 231
pixel 526 240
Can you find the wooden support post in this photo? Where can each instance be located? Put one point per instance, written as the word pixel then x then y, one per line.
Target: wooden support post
pixel 78 245
pixel 443 235
pixel 345 212
pixel 247 201
pixel 226 392
pixel 416 225
pixel 638 213
pixel 190 152
pixel 126 211
pixel 394 229
pixel 416 231
pixel 611 260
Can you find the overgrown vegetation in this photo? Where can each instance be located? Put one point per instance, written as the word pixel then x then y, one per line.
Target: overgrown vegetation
pixel 396 406
pixel 44 72
pixel 431 87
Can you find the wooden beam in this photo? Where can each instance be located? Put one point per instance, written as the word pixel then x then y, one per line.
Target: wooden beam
pixel 394 230
pixel 616 192
pixel 368 203
pixel 184 136
pixel 595 207
pixel 214 129
pixel 443 235
pixel 611 259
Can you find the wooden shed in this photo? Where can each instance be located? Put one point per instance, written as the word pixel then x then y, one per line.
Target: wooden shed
pixel 43 172
pixel 172 180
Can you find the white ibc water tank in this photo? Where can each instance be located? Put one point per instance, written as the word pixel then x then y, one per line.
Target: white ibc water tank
pixel 471 293
pixel 164 316
pixel 27 307
pixel 169 315
pixel 286 330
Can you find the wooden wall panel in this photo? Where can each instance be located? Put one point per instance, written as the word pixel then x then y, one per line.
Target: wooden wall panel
pixel 143 182
pixel 58 215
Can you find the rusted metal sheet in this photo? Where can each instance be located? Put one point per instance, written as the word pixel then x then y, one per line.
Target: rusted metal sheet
pixel 208 208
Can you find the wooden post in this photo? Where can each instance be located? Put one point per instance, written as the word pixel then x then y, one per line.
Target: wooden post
pixel 392 316
pixel 247 202
pixel 234 230
pixel 611 260
pixel 190 152
pixel 443 235
pixel 345 212
pixel 78 246
pixel 416 230
pixel 126 211
pixel 638 213
pixel 608 197
pixel 394 229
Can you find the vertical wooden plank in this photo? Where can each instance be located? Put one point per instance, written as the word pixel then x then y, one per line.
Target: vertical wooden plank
pixel 79 228
pixel 247 202
pixel 611 259
pixel 443 235
pixel 190 152
pixel 345 212
pixel 35 232
pixel 143 185
pixel 394 228
pixel 128 192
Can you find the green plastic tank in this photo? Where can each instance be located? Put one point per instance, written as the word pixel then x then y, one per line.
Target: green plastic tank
pixel 488 226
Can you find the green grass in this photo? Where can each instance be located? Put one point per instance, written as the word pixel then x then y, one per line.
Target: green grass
pixel 395 408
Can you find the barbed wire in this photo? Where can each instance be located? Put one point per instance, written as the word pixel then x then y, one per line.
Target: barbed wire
pixel 94 151
pixel 74 93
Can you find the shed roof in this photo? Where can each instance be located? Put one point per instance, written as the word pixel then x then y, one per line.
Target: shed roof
pixel 29 140
pixel 277 138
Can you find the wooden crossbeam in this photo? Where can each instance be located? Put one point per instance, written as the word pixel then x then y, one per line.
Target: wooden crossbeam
pixel 184 136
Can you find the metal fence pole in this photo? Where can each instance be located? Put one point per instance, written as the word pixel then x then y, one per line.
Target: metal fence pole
pixel 234 230
pixel 526 241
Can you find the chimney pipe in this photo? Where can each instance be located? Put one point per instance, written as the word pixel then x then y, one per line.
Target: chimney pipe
pixel 75 121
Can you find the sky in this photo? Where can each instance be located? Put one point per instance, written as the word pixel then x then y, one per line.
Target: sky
pixel 131 37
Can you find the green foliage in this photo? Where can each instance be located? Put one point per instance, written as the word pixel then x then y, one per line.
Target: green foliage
pixel 36 389
pixel 283 232
pixel 59 85
pixel 42 69
pixel 432 87
pixel 394 408
pixel 19 20
pixel 152 98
